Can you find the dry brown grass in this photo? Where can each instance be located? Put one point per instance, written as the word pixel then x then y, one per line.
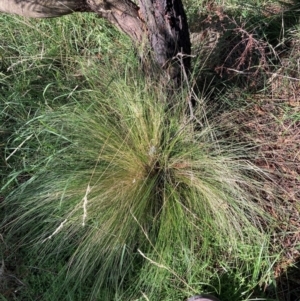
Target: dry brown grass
pixel 270 77
pixel 271 122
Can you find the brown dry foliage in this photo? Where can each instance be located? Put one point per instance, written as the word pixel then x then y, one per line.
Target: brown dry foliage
pixel 271 122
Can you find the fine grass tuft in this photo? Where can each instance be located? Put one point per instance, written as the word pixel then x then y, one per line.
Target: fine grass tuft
pixel 138 199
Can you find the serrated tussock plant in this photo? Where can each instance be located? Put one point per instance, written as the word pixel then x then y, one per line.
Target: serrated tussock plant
pixel 134 194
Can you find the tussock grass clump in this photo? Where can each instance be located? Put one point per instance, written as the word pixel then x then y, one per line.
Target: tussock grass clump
pixel 136 196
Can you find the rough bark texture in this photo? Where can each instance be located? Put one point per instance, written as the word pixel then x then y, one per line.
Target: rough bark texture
pixel 121 13
pixel 43 8
pixel 168 33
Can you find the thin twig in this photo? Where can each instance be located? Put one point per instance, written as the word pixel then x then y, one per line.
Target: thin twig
pixel 19 146
pixel 56 231
pixel 84 205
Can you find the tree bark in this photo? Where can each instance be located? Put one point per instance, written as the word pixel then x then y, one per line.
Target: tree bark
pixel 43 8
pixel 168 34
pixel 124 14
pixel 161 24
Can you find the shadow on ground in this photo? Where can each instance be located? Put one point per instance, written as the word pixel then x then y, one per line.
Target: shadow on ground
pixel 288 284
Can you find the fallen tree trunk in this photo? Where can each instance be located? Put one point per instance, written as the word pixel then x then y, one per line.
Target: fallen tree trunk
pixel 159 25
